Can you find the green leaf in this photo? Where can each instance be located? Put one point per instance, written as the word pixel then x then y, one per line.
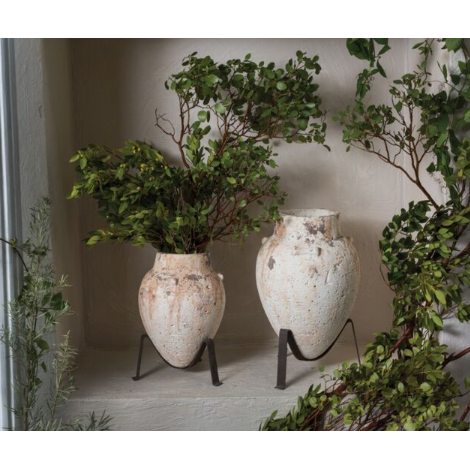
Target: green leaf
pixel 467 382
pixel 302 123
pixel 467 116
pixel 220 108
pixel 212 79
pixel 42 344
pixel 443 122
pixel 93 240
pixel 281 86
pixel 231 180
pixel 409 427
pixel 442 139
pixel 437 319
pixel 57 301
pixel 381 70
pixel 202 116
pixel 123 206
pixel 441 296
pixel 425 387
pixel 453 44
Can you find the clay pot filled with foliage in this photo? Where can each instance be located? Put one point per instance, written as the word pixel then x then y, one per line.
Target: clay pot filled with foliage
pixel 229 114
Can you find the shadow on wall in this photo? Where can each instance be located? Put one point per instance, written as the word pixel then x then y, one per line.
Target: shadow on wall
pixel 117 102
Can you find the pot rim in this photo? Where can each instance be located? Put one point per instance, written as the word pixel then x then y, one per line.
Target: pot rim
pixel 205 253
pixel 309 213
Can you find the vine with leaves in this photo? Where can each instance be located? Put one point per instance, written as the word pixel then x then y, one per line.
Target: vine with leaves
pixel 404 382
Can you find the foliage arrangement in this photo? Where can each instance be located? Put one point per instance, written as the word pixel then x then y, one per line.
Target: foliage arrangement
pixel 34 316
pixel 229 114
pixel 403 382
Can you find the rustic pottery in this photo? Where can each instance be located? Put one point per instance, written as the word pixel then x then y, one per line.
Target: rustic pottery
pixel 307 275
pixel 181 302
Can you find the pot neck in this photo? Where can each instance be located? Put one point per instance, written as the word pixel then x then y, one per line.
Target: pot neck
pixel 175 262
pixel 309 224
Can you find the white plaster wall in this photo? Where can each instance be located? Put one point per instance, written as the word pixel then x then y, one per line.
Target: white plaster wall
pixel 65 217
pixel 45 128
pixel 31 125
pixel 117 86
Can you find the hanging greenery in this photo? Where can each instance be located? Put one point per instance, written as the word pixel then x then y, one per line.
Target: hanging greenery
pixel 43 376
pixel 229 114
pixel 404 382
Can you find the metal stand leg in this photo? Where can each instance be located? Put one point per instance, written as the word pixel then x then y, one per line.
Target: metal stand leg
pixel 282 359
pixel 213 363
pixel 139 359
pixel 286 337
pixel 209 343
pixel 355 340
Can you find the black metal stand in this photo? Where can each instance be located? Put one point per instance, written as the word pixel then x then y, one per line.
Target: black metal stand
pixel 286 337
pixel 210 349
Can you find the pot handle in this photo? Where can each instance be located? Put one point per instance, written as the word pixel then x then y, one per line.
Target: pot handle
pixel 264 240
pixel 221 276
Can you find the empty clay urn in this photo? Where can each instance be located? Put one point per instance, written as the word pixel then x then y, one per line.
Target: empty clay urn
pixel 307 275
pixel 181 302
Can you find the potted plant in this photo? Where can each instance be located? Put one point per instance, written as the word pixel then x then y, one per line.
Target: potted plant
pixel 228 115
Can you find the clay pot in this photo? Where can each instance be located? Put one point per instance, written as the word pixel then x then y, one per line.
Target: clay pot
pixel 181 302
pixel 307 275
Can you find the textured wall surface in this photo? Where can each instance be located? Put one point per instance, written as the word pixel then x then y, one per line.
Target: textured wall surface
pixel 45 128
pixel 66 239
pixel 31 125
pixel 117 86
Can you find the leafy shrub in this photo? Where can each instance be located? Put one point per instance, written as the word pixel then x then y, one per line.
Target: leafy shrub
pixel 34 316
pixel 229 114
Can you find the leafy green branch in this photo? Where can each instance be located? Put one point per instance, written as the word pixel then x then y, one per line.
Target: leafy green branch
pixel 229 114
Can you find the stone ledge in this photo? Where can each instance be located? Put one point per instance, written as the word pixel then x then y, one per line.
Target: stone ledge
pixel 172 399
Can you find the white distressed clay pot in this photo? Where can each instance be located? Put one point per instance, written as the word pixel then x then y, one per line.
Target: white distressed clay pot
pixel 307 275
pixel 181 303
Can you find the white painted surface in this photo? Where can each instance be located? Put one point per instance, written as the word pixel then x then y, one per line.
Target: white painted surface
pixel 117 86
pixel 181 303
pixel 307 275
pixel 172 399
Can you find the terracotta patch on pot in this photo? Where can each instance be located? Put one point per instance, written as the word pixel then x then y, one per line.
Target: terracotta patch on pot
pixel 271 262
